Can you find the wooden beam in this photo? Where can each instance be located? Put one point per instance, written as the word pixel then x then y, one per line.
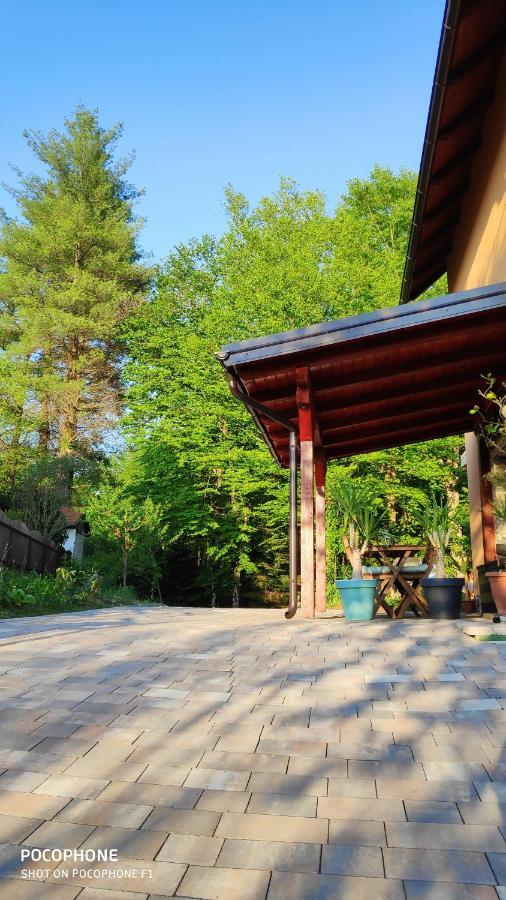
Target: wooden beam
pixel 320 533
pixel 398 438
pixel 306 401
pixel 306 435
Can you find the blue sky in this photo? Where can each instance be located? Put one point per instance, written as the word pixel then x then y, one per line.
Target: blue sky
pixel 218 92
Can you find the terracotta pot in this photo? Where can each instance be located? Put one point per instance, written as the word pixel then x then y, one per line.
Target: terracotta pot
pixel 498 584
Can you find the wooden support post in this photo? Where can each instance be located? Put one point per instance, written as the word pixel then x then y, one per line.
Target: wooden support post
pixel 487 506
pixel 474 487
pixel 321 533
pixel 306 435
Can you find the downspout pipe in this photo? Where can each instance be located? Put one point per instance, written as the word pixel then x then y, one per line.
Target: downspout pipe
pixel 253 404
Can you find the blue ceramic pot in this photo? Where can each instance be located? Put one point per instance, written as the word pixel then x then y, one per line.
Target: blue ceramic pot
pixel 358 596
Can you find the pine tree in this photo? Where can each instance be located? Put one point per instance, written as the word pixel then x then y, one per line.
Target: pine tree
pixel 71 273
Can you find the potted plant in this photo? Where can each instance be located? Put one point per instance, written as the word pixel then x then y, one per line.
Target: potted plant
pixel 497 579
pixel 490 427
pixel 360 524
pixel 443 594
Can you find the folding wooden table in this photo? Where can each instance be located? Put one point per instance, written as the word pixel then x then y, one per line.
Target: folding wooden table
pixel 399 577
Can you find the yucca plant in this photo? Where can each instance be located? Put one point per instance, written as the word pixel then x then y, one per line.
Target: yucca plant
pixel 436 519
pixel 500 509
pixel 361 521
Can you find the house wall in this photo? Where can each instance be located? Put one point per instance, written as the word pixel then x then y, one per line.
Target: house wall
pixel 478 255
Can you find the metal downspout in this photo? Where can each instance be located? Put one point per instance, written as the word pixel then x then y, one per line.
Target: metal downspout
pixel 292 536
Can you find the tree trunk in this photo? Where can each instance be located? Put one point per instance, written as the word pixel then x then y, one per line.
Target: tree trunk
pixel 125 567
pixel 356 563
pixel 440 563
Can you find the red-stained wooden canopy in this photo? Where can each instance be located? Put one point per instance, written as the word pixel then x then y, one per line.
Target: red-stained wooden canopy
pixel 381 379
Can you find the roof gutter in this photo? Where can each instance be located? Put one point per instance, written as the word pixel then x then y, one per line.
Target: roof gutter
pixel 255 407
pixel 445 52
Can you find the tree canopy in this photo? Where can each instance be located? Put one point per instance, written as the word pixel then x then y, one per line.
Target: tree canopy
pixel 96 367
pixel 70 275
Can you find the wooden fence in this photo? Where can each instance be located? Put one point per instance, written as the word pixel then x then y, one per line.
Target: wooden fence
pixel 22 548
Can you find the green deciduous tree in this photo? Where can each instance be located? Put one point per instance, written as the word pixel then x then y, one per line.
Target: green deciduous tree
pixel 286 263
pixel 131 526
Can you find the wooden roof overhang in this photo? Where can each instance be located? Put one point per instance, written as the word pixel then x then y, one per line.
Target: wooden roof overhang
pixel 381 379
pixel 471 48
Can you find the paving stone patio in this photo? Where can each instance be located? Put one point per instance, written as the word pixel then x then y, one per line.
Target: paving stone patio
pixel 230 754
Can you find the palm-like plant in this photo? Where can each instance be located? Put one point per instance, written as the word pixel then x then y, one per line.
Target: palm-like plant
pixel 436 519
pixel 500 508
pixel 361 521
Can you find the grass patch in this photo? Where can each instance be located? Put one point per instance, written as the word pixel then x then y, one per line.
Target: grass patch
pixel 493 638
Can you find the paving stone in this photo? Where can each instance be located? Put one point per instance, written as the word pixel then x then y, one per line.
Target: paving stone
pixel 71 786
pixel 427 811
pixel 489 812
pixel 182 821
pixel 498 863
pixel 425 790
pixel 293 748
pixel 223 801
pixel 362 768
pixel 97 812
pixel 318 768
pixel 439 865
pixel 129 843
pixel 191 848
pixel 442 890
pixel 14 780
pixel 330 887
pixel 224 884
pixel 14 829
pixel 98 894
pixel 217 779
pixel 314 786
pixel 58 834
pixel 359 808
pixel 245 762
pixel 279 855
pixel 357 831
pixel 491 791
pixel 174 776
pixel 442 771
pixel 282 804
pixel 136 876
pixel 444 837
pixel 150 794
pixel 11 890
pixel 352 859
pixel 352 787
pixel 202 714
pixel 253 826
pixel 14 803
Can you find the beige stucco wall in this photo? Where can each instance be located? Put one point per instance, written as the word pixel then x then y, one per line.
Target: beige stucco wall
pixel 478 256
pixel 479 247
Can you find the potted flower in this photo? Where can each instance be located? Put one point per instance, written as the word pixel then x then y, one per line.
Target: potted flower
pixel 443 594
pixel 497 579
pixel 360 524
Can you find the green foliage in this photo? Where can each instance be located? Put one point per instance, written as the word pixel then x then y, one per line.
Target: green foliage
pixel 131 525
pixel 72 588
pixel 286 263
pixel 361 520
pixel 39 495
pixel 70 274
pixel 436 520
